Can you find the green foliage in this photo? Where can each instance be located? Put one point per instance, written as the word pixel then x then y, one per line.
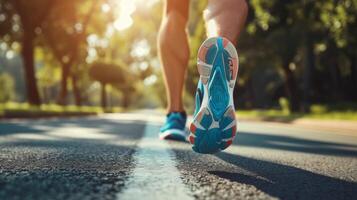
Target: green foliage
pixel 310 44
pixel 48 65
pixel 12 109
pixel 292 53
pixel 285 107
pixel 7 86
pixel 197 36
pixel 108 73
pixel 318 112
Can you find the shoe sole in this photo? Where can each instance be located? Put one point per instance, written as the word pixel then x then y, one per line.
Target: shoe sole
pixel 173 134
pixel 214 126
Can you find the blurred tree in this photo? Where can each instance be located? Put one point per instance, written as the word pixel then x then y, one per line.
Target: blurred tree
pixel 30 15
pixel 196 29
pixel 48 74
pixel 304 50
pixel 7 86
pixel 134 48
pixel 114 75
pixel 66 35
pixel 300 30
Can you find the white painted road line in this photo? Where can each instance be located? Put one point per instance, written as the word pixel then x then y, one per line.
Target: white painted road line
pixel 155 175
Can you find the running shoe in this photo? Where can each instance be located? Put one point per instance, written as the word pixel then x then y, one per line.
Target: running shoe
pixel 214 124
pixel 174 127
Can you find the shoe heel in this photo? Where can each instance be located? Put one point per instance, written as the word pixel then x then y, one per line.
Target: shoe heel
pixel 233 61
pixel 205 68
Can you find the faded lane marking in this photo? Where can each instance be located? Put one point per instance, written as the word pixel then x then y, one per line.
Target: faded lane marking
pixel 155 175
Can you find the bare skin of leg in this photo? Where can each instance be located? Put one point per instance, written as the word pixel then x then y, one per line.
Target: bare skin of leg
pixel 225 18
pixel 174 51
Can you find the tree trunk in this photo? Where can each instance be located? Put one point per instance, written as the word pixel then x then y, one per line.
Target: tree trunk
pixel 33 96
pixel 291 88
pixel 126 99
pixel 353 76
pixel 334 72
pixel 251 100
pixel 76 91
pixel 104 95
pixel 62 98
pixel 334 78
pixel 308 74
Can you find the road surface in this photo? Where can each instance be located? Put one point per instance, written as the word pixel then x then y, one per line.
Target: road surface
pixel 118 156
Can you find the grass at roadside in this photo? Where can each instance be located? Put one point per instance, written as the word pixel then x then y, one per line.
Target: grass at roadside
pixel 319 112
pixel 24 110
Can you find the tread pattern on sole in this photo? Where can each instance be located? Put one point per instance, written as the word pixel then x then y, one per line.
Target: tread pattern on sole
pixel 214 126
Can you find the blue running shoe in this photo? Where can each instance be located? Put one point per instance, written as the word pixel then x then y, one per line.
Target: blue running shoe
pixel 174 127
pixel 214 125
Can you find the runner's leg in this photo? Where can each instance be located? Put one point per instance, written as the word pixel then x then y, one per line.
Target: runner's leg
pixel 174 50
pixel 225 18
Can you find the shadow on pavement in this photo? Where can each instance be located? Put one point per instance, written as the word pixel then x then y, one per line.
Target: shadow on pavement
pixel 271 141
pixel 286 182
pixel 102 125
pixel 13 128
pixel 86 158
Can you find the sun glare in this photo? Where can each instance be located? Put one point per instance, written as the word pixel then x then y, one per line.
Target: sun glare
pixel 124 10
pixel 105 8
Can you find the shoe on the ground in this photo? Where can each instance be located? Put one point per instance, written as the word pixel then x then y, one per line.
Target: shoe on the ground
pixel 214 125
pixel 174 127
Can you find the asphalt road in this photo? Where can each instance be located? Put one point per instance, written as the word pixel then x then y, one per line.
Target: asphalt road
pixel 119 157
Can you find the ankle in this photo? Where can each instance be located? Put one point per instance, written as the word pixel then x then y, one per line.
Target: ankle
pixel 178 109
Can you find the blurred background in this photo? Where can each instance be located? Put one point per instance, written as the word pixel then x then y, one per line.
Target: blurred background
pixel 297 58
